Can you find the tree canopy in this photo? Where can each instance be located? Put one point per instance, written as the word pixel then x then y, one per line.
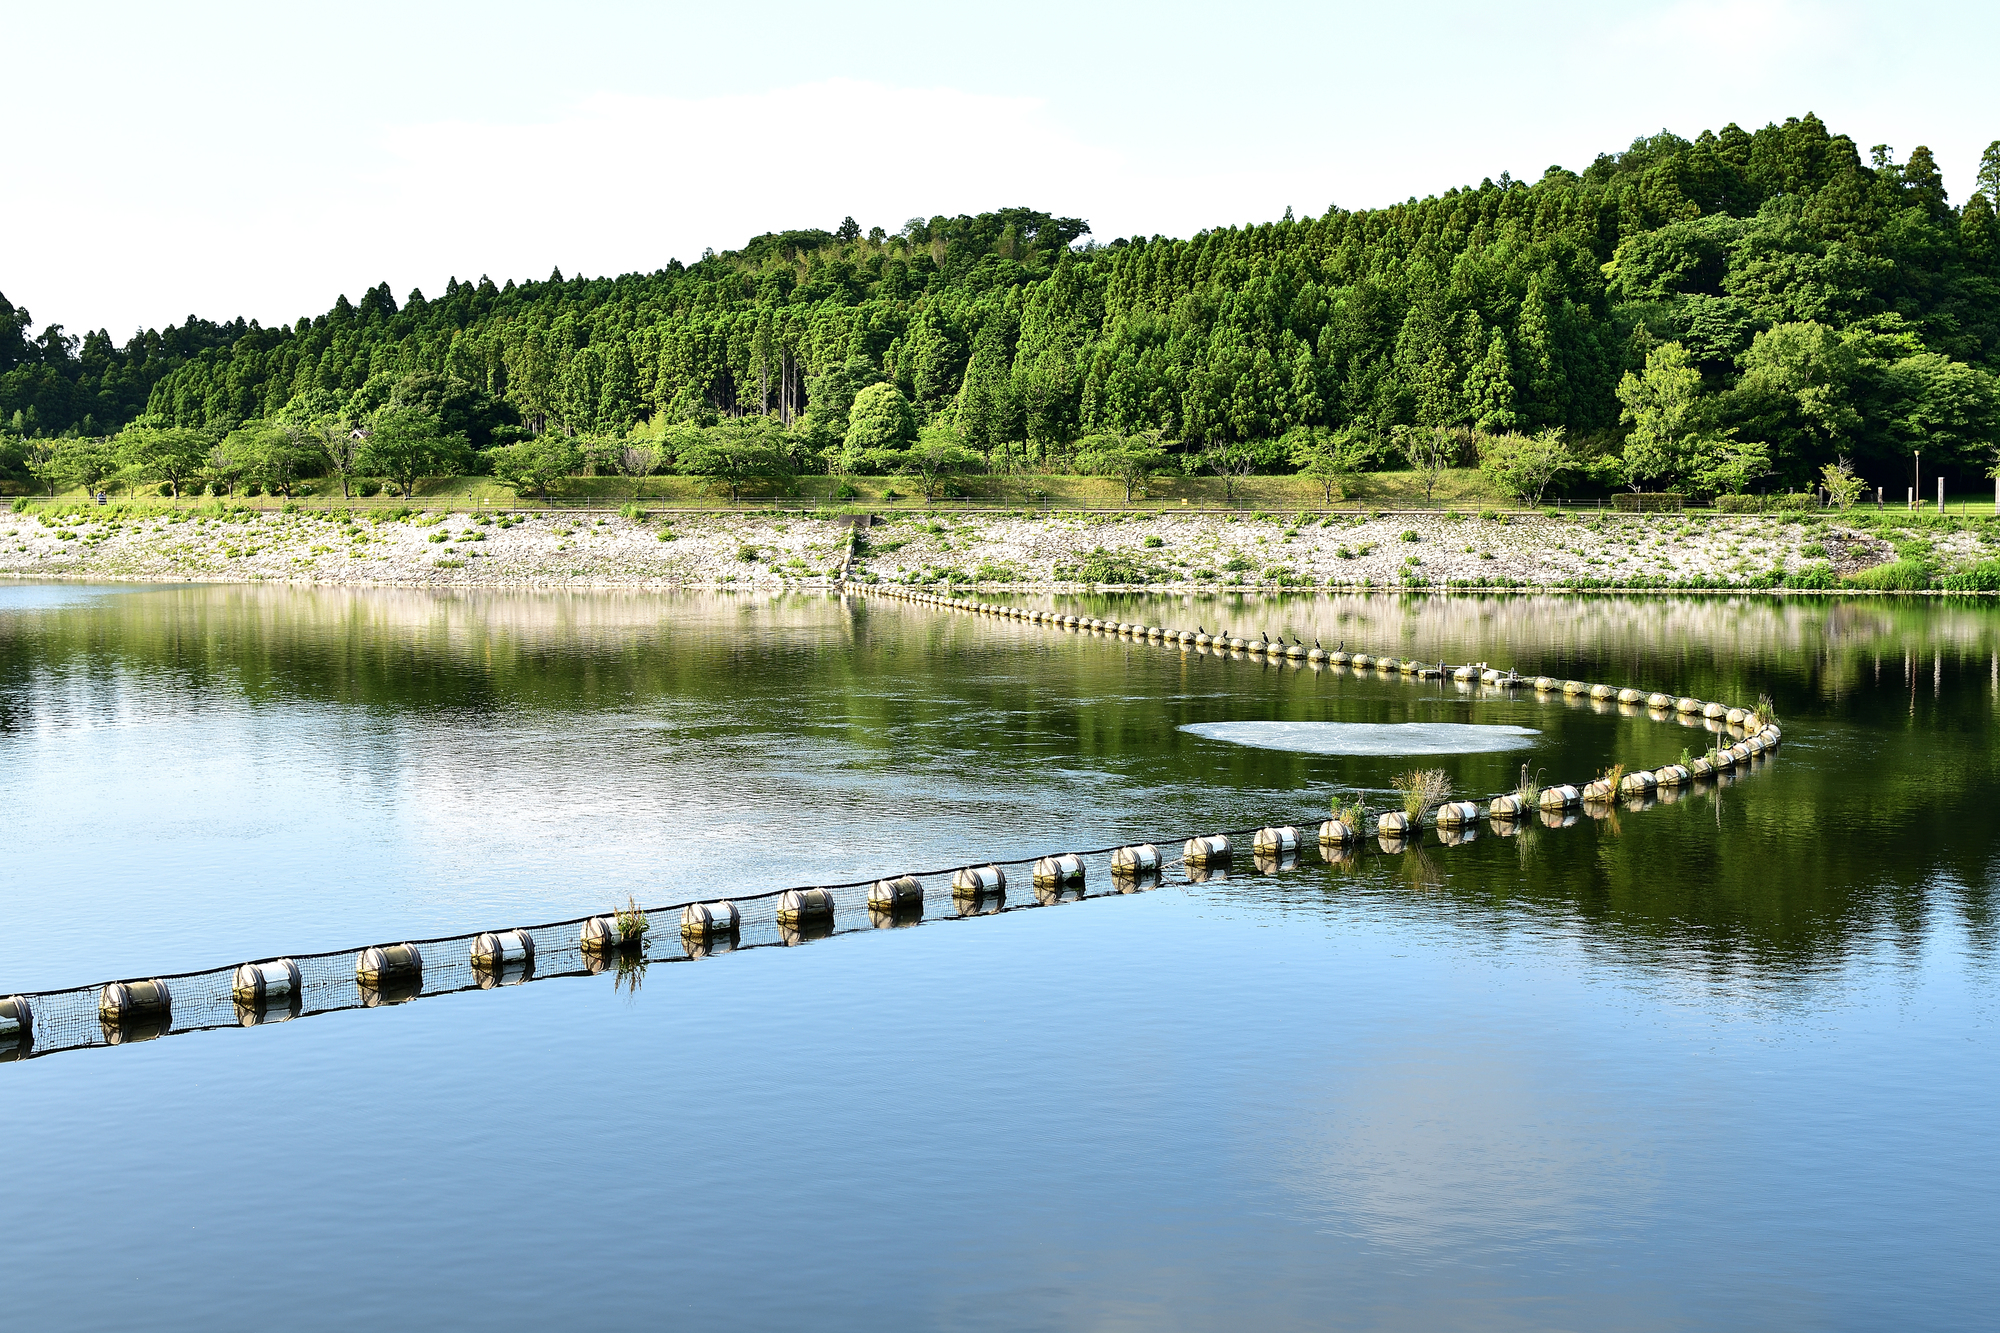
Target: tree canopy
pixel 1822 304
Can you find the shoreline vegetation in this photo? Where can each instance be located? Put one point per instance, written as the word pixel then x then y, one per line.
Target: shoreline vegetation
pixel 1165 549
pixel 1714 318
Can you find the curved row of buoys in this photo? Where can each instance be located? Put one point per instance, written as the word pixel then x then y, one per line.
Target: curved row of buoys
pixel 1758 733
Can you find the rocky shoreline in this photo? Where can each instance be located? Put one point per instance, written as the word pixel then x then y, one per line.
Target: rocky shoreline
pixel 1025 550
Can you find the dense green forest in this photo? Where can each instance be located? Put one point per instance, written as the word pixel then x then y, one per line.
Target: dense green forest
pixel 1731 311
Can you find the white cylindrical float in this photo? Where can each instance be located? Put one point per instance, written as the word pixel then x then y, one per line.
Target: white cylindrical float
pixel 703 920
pixel 388 964
pixel 1637 784
pixel 1066 868
pixel 1491 677
pixel 1734 717
pixel 1506 807
pixel 796 905
pixel 257 984
pixel 601 934
pixel 1338 832
pixel 1689 704
pixel 1598 789
pixel 1453 813
pixel 1560 798
pixel 898 893
pixel 1628 695
pixel 974 880
pixel 1602 693
pixel 1141 858
pixel 1339 658
pixel 17 1027
pixel 1394 823
pixel 1700 768
pixel 136 1004
pixel 1360 661
pixel 497 949
pixel 1715 710
pixel 1275 840
pixel 1672 775
pixel 1465 673
pixel 1212 849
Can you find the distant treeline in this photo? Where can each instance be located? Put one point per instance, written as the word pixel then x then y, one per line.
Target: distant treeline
pixel 1737 309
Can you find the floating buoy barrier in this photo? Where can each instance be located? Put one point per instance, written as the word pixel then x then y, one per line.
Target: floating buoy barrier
pixel 976 880
pixel 897 893
pixel 1212 849
pixel 1141 858
pixel 496 949
pixel 1275 840
pixel 1457 812
pixel 708 919
pixel 1064 869
pixel 255 984
pixel 382 964
pixel 801 905
pixel 394 973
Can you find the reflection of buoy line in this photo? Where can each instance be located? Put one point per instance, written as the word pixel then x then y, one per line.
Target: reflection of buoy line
pixel 1755 735
pixel 261 993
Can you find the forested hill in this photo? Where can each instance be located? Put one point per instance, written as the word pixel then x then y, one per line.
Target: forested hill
pixel 1831 305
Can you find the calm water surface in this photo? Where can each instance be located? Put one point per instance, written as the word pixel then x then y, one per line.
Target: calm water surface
pixel 1725 1062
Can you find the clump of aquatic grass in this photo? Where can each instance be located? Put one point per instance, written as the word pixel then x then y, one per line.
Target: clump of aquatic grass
pixel 1765 713
pixel 1529 790
pixel 1423 789
pixel 1353 813
pixel 1685 759
pixel 631 920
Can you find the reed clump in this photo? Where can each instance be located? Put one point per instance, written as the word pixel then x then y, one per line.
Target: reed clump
pixel 1423 789
pixel 1353 813
pixel 631 920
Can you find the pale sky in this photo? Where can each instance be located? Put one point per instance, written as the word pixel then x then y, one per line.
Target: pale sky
pixel 257 159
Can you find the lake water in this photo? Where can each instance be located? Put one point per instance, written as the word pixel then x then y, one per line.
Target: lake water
pixel 1722 1063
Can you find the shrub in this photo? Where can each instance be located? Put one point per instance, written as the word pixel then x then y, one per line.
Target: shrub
pixel 1982 577
pixel 1816 575
pixel 1739 504
pixel 1646 502
pixel 746 553
pixel 1154 543
pixel 1410 535
pixel 633 512
pixel 368 488
pixel 1237 564
pixel 1795 502
pixel 440 536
